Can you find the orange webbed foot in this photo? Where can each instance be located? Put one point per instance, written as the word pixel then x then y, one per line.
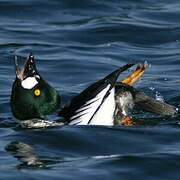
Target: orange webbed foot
pixel 127 121
pixel 136 75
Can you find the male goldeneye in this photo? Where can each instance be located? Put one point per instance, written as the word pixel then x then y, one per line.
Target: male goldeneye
pixel 32 97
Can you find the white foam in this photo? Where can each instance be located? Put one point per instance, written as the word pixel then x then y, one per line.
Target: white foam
pixel 29 83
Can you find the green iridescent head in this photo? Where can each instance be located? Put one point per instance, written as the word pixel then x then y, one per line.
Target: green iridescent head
pixel 31 96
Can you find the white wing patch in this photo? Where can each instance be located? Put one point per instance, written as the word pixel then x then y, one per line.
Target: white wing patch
pixel 29 83
pixel 103 116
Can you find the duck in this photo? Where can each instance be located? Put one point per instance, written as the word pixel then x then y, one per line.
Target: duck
pixel 32 97
pixel 108 101
pixel 102 103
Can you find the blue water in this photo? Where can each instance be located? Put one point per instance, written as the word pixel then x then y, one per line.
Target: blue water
pixel 77 42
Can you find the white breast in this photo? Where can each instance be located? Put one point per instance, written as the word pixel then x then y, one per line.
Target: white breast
pixel 125 101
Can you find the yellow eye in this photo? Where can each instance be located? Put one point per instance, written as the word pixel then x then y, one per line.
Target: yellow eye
pixel 37 92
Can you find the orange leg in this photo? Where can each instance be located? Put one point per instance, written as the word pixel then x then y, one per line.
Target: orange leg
pixel 136 75
pixel 131 80
pixel 127 121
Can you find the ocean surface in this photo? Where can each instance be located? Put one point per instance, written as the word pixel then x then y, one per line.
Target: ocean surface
pixel 75 43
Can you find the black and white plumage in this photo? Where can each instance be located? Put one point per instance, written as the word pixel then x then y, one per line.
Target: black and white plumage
pixel 96 104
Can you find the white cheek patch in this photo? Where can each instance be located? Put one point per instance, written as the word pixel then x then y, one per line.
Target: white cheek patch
pixel 29 83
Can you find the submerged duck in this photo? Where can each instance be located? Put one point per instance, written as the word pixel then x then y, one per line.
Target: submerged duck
pixel 108 102
pixel 101 103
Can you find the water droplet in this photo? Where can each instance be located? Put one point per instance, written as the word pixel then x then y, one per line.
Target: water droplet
pixel 159 97
pixel 152 88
